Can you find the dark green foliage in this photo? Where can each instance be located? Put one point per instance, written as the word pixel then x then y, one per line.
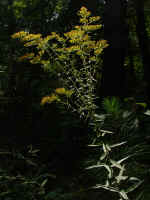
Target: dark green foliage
pixel 57 170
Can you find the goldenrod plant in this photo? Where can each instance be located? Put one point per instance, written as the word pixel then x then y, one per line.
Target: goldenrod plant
pixel 76 56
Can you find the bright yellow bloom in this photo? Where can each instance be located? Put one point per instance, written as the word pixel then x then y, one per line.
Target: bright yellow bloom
pixel 78 27
pixel 91 27
pixel 84 13
pixel 94 19
pixel 29 37
pixel 60 91
pixel 31 43
pixel 19 34
pixel 74 34
pixel 49 99
pixel 104 44
pixel 84 21
pixel 63 91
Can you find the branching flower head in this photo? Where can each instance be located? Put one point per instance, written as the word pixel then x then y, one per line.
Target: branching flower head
pixel 49 99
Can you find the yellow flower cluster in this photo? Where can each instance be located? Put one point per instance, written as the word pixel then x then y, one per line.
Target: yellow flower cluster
pixel 30 37
pixel 19 34
pixel 31 43
pixel 74 34
pixel 25 36
pixel 94 19
pixel 41 44
pixel 80 43
pixel 102 44
pixel 55 96
pixel 86 18
pixel 49 99
pixel 26 56
pixel 72 48
pixel 84 13
pixel 63 91
pixel 91 27
pixel 64 49
pixel 60 90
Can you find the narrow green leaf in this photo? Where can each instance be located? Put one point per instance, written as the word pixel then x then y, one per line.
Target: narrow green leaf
pixel 134 186
pixel 44 183
pixel 115 164
pixel 123 195
pixel 102 165
pixel 112 189
pixel 118 144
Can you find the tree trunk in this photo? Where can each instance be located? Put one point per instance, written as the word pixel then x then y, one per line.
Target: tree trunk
pixel 116 33
pixel 143 42
pixel 11 66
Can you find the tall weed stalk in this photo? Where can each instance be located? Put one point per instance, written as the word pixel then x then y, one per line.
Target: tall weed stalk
pixel 76 59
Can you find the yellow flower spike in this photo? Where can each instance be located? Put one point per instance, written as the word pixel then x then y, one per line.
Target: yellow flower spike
pixel 49 99
pixel 60 91
pixel 26 56
pixel 63 91
pixel 31 37
pixel 60 39
pixel 94 19
pixel 78 27
pixel 104 43
pixel 91 27
pixel 47 38
pixel 19 34
pixel 31 43
pixel 44 100
pixel 25 36
pixel 73 48
pixel 84 13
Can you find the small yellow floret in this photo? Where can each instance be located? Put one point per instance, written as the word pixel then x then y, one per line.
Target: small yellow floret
pixel 94 19
pixel 60 91
pixel 63 91
pixel 26 56
pixel 49 99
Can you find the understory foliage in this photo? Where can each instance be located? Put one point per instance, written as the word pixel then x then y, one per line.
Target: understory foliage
pixel 76 59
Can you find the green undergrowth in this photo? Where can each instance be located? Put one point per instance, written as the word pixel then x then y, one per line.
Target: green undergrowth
pixel 24 174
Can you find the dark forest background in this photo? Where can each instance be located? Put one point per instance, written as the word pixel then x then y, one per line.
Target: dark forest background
pixel 44 149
